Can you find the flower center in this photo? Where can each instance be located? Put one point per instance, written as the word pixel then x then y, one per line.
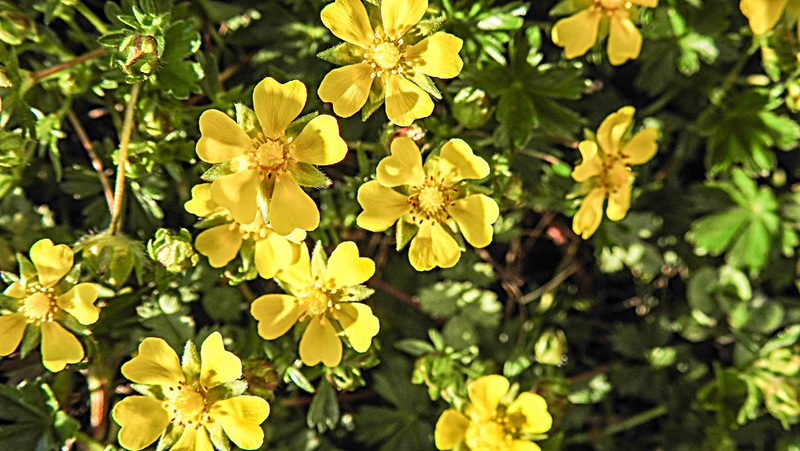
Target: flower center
pixel 270 155
pixel 429 201
pixel 611 5
pixel 187 404
pixel 39 306
pixel 387 55
pixel 256 230
pixel 315 301
pixel 487 436
pixel 615 175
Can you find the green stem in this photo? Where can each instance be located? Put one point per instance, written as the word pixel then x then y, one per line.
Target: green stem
pixel 630 423
pixel 90 16
pixel 122 159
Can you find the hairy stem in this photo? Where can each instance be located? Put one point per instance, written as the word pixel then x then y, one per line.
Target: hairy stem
pixel 122 159
pixel 35 76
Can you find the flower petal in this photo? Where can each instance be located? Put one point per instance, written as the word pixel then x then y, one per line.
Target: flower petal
pixel 647 3
pixel 59 347
pixel 577 33
pixel 220 138
pixel 12 328
pixel 272 253
pixel 220 244
pixel 590 213
pixel 403 166
pixel 641 148
pixel 591 163
pixel 762 14
pixel 346 268
pixel 155 364
pixel 399 16
pixel 217 366
pixel 533 409
pixel 612 128
pixel 382 206
pixel 475 215
pixel 347 88
pixel 486 392
pixel 431 247
pixel 52 262
pixel 624 40
pixel 276 104
pixel 359 324
pixel 241 418
pixel 319 142
pixel 524 445
pixel 619 201
pixel 275 313
pixel 79 302
pixel 142 419
pixel 458 162
pixel 194 438
pixel 238 193
pixel 437 55
pixel 348 21
pixel 298 274
pixel 291 207
pixel 320 343
pixel 201 204
pixel 406 101
pixel 450 429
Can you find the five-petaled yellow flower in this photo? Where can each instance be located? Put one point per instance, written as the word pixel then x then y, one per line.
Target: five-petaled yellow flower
pixel 606 166
pixel 764 14
pixel 222 242
pixel 428 197
pixel 578 33
pixel 491 422
pixel 385 61
pixel 44 298
pixel 188 405
pixel 266 172
pixel 326 295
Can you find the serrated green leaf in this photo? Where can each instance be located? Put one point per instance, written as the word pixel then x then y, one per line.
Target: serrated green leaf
pixel 343 54
pixel 180 78
pixel 713 234
pixel 227 167
pixel 180 41
pixel 307 175
pixel 323 413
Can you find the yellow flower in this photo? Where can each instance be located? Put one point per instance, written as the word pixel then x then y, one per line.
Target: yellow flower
pixel 578 33
pixel 607 166
pixel 265 173
pixel 428 198
pixel 193 403
pixel 222 242
pixel 326 295
pixel 383 60
pixel 764 14
pixel 490 423
pixel 44 298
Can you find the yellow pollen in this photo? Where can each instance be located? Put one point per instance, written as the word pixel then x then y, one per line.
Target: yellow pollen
pixel 187 404
pixel 429 201
pixel 256 230
pixel 314 301
pixel 39 307
pixel 386 55
pixel 270 155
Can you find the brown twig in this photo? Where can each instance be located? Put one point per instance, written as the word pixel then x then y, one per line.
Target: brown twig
pixel 96 163
pixel 35 76
pixel 379 284
pixel 342 397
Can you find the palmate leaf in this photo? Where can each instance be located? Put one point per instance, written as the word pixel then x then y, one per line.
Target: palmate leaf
pixel 745 232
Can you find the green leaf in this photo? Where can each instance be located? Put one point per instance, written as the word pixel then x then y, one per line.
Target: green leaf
pixel 517 114
pixel 180 78
pixel 299 379
pixel 713 234
pixel 180 41
pixel 343 54
pixel 415 347
pixel 323 413
pixel 307 175
pixel 227 167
